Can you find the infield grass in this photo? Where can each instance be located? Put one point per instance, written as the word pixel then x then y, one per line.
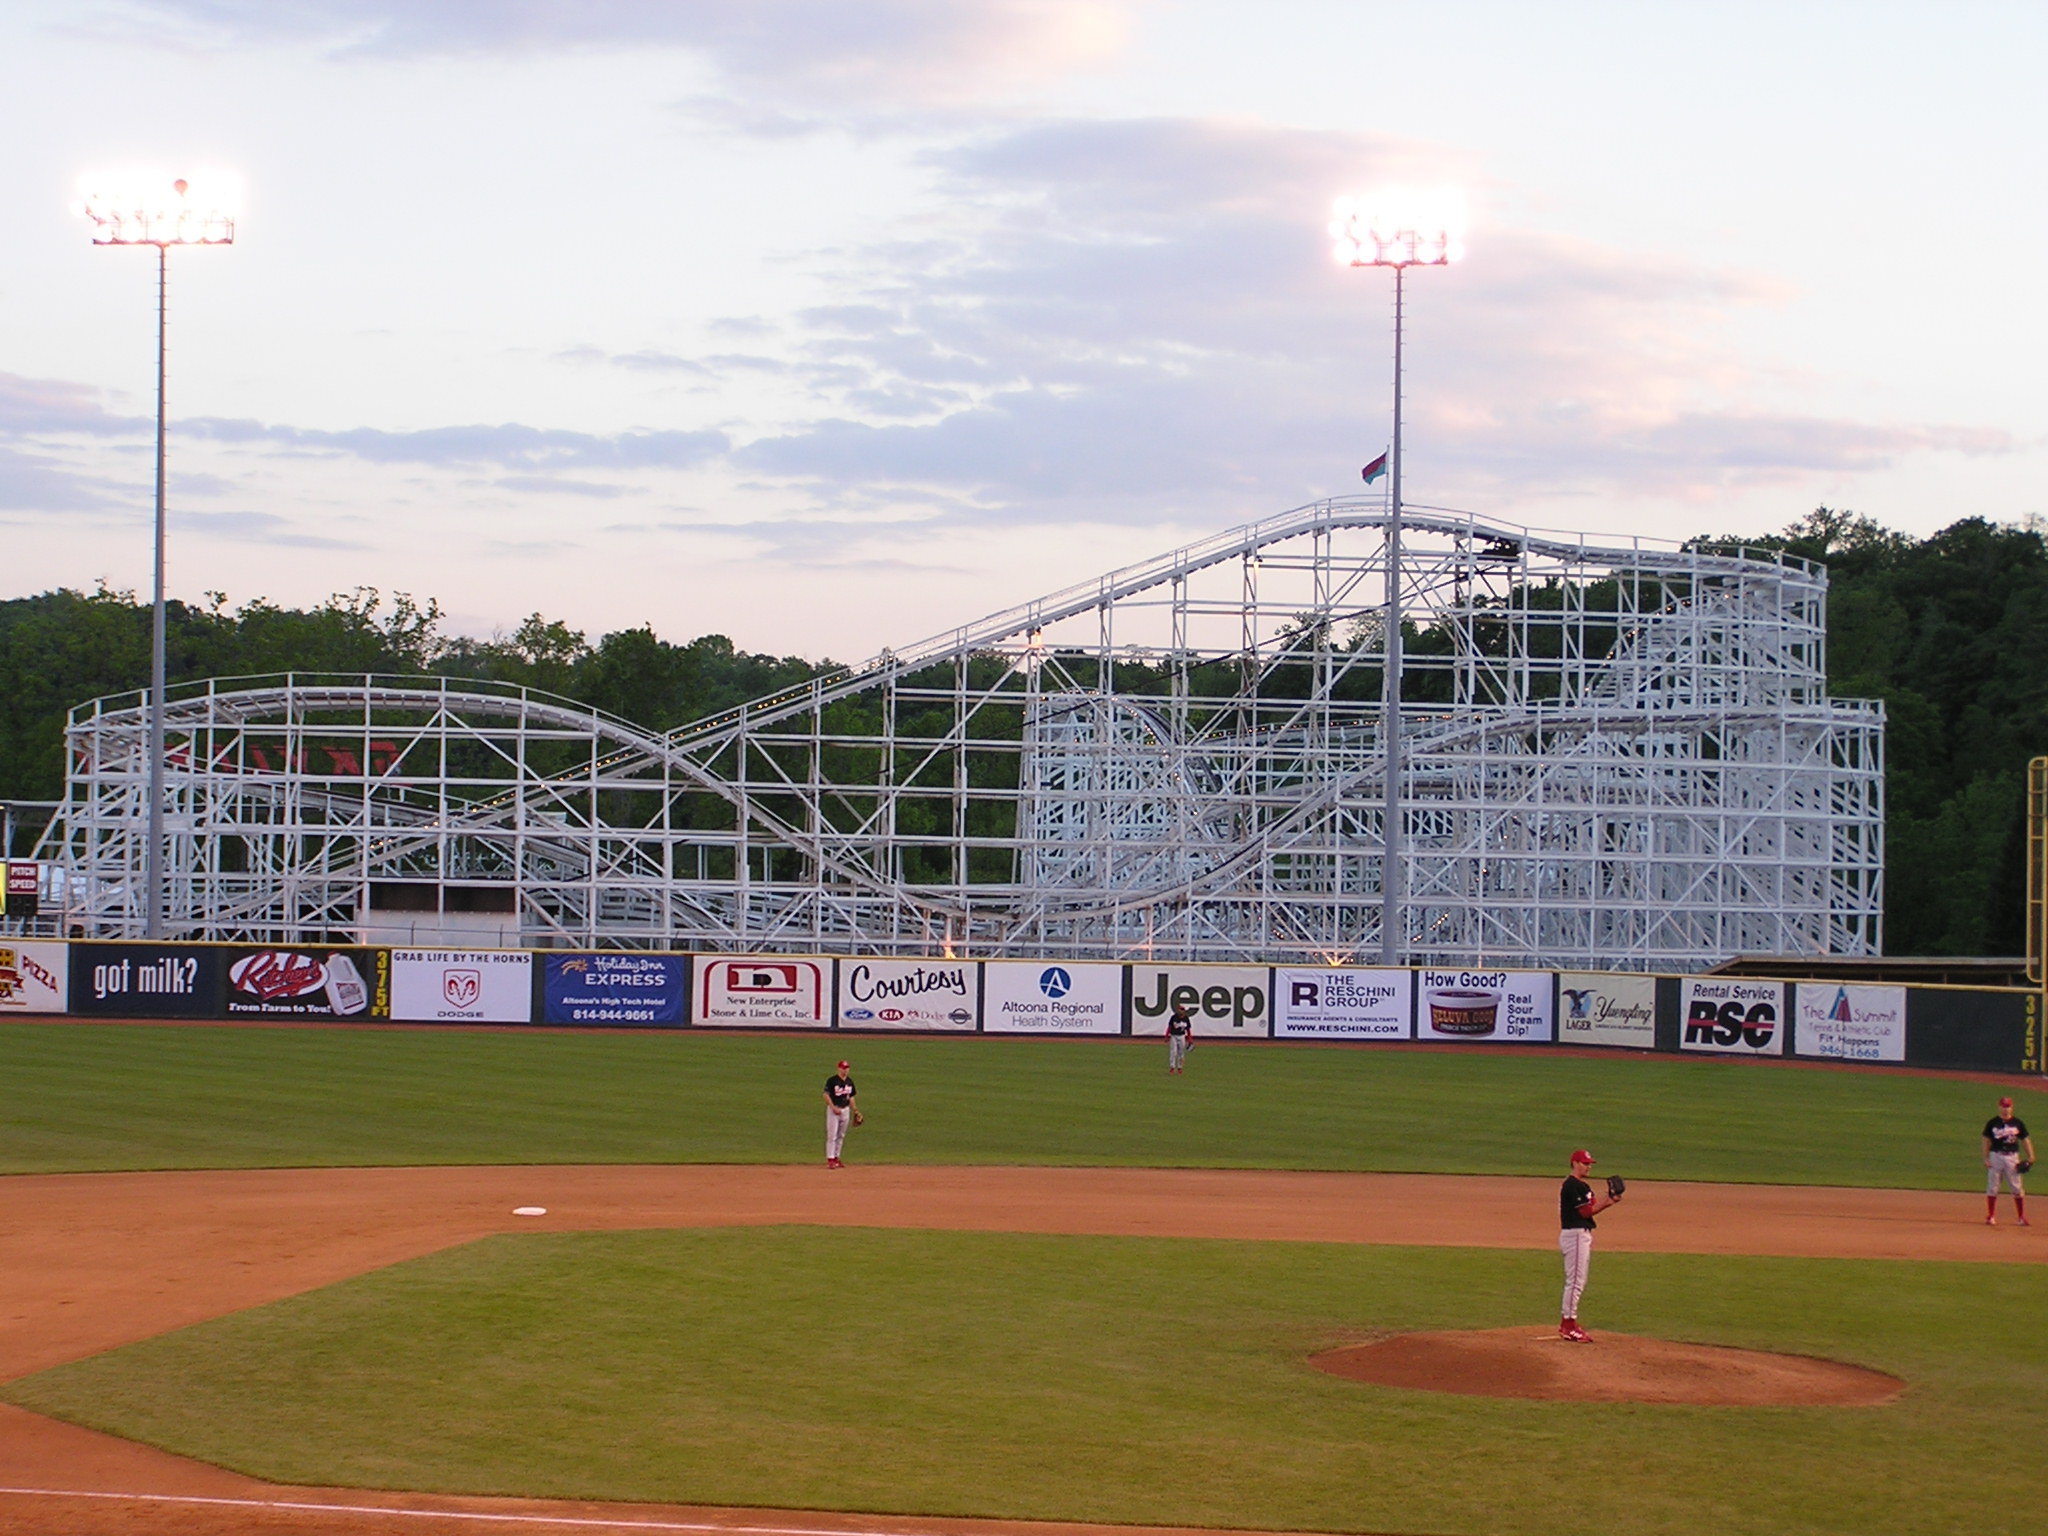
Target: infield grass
pixel 1099 1379
pixel 96 1097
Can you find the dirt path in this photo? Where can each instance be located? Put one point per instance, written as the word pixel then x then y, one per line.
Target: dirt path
pixel 91 1261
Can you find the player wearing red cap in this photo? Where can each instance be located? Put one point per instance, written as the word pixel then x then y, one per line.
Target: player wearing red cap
pixel 1577 1205
pixel 2008 1153
pixel 839 1112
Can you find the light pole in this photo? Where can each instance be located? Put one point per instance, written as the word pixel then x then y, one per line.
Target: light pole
pixel 1400 231
pixel 161 212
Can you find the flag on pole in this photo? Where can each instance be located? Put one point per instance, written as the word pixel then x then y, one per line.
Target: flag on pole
pixel 1375 469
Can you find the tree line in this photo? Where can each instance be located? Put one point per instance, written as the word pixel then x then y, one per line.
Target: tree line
pixel 1950 631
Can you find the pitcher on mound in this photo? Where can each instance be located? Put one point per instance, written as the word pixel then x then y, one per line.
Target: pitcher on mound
pixel 1577 1205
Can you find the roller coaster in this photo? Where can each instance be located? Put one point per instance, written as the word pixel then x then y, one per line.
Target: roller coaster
pixel 1616 754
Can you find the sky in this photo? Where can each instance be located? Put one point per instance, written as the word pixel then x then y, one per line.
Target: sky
pixel 830 324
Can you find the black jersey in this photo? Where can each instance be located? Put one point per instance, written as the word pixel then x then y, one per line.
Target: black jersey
pixel 1179 1024
pixel 839 1090
pixel 1576 1192
pixel 2006 1135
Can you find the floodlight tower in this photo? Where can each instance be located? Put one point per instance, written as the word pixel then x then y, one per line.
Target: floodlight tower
pixel 1398 230
pixel 158 211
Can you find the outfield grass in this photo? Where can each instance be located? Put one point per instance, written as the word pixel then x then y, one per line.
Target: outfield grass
pixel 1101 1379
pixel 114 1097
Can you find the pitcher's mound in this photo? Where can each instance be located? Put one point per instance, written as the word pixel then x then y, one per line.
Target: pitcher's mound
pixel 1614 1368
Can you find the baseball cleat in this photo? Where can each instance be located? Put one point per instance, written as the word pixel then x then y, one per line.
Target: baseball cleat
pixel 1990 1221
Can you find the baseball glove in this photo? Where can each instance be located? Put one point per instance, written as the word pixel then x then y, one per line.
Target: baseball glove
pixel 1617 1186
pixel 859 1118
pixel 2025 1165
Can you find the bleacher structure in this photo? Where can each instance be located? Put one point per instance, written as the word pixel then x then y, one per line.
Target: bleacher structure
pixel 1614 753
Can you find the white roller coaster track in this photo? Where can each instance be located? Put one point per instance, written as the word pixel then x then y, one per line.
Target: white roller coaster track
pixel 1615 754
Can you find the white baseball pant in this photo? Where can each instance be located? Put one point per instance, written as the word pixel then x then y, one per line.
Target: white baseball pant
pixel 2006 1166
pixel 836 1122
pixel 1176 1051
pixel 1576 1244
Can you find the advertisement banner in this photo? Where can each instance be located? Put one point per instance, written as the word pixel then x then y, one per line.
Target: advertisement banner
pixel 307 983
pixel 462 986
pixel 1734 1016
pixel 1344 1004
pixel 1037 997
pixel 35 977
pixel 907 994
pixel 1483 1005
pixel 1852 1023
pixel 144 981
pixel 1599 1008
pixel 1224 1000
pixel 614 987
pixel 763 991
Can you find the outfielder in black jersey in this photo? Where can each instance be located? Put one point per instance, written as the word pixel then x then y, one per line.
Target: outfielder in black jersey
pixel 2008 1153
pixel 839 1111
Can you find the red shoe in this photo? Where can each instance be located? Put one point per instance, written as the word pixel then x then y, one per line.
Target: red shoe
pixel 833 1162
pixel 1578 1335
pixel 1990 1221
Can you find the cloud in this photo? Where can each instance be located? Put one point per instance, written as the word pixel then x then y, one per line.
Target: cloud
pixel 257 528
pixel 59 406
pixel 185 483
pixel 46 427
pixel 36 482
pixel 818 52
pixel 1138 316
pixel 662 362
pixel 508 446
pixel 554 485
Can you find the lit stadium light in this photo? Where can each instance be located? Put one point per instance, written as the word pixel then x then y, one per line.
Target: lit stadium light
pixel 1397 228
pixel 148 209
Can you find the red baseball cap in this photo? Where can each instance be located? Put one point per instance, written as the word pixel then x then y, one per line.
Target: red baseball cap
pixel 844 1065
pixel 1583 1156
pixel 2005 1103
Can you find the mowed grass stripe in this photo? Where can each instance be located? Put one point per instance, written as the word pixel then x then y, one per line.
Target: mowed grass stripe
pixel 1098 1379
pixel 84 1097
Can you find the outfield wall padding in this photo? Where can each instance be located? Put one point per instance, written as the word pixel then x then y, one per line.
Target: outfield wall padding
pixel 1985 1029
pixel 1977 1030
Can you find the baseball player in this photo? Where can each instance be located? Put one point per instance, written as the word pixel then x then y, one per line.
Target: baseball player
pixel 1180 1028
pixel 2008 1154
pixel 840 1112
pixel 1577 1205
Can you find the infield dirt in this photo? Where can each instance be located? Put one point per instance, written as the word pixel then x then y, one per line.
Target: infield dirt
pixel 92 1261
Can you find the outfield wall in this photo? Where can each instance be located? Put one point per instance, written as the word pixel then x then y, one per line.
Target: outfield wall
pixel 1978 1028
